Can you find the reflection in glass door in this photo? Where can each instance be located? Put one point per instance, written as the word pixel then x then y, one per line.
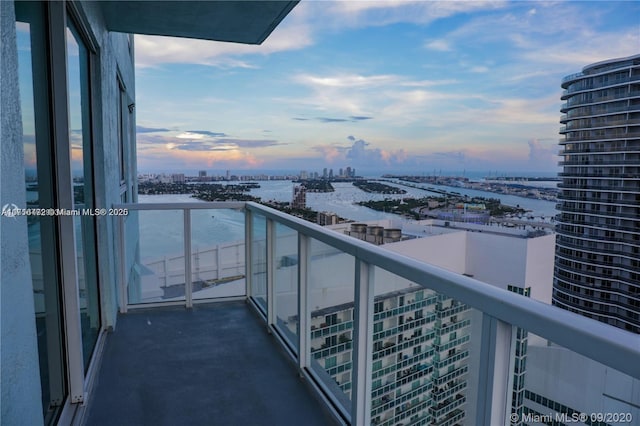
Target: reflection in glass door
pixel 80 138
pixel 43 256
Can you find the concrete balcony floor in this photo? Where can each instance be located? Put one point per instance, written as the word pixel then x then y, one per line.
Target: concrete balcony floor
pixel 214 364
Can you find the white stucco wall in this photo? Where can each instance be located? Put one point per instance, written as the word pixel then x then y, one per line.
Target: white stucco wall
pixel 496 259
pixel 19 373
pixel 579 383
pixel 115 59
pixel 539 272
pixel 446 251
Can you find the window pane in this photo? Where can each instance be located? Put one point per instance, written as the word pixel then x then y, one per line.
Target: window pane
pixel 286 283
pixel 154 253
pixel 331 297
pixel 81 168
pixel 41 230
pixel 217 253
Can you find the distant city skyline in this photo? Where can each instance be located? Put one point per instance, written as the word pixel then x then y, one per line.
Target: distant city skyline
pixel 385 87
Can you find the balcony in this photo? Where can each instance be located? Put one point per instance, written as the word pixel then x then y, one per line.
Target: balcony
pixel 608 136
pixel 169 365
pixel 246 335
pixel 597 110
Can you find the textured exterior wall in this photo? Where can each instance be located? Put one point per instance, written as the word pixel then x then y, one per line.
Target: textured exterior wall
pixel 19 375
pixel 116 58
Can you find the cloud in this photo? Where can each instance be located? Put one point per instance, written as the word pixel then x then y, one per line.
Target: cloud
pixel 147 139
pixel 300 29
pixel 352 119
pixel 360 154
pixel 548 34
pixel 331 152
pixel 362 97
pixel 142 129
pixel 452 155
pixel 202 140
pixel 294 33
pixel 479 69
pixel 345 80
pixel 208 133
pixel 199 147
pixel 178 159
pixel 251 143
pixel 331 120
pixel 427 83
pixel 357 14
pixel 190 135
pixel 302 26
pixel 542 153
pixel 439 45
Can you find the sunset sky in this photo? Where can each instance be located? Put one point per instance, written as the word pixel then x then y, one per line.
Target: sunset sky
pixel 379 86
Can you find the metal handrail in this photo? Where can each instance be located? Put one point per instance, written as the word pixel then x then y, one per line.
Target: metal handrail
pixel 608 345
pixel 209 205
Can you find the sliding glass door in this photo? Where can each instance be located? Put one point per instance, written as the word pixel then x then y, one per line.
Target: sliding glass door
pixel 40 188
pixel 55 64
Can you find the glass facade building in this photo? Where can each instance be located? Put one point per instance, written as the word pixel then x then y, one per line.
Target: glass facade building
pixel 598 230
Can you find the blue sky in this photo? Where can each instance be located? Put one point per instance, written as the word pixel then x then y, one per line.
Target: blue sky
pixel 379 86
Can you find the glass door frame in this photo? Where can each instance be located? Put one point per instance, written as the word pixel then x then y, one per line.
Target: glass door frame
pixel 59 13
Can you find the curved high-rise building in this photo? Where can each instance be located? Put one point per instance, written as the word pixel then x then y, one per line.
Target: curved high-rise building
pixel 597 264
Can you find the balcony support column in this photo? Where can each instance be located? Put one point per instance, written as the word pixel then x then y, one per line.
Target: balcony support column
pixel 494 392
pixel 248 246
pixel 124 300
pixel 363 344
pixel 271 265
pixel 304 316
pixel 188 285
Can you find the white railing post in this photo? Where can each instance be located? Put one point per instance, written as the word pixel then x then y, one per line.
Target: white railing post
pixel 248 260
pixel 361 374
pixel 123 258
pixel 196 260
pixel 165 269
pixel 188 289
pixel 304 317
pixel 271 265
pixel 219 260
pixel 494 392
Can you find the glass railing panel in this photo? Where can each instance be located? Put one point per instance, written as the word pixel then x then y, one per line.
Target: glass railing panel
pixel 259 260
pixel 154 256
pixel 331 303
pixel 217 253
pixel 554 385
pixel 286 283
pixel 425 358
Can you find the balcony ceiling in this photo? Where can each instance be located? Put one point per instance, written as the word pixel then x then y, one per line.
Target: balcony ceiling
pixel 248 22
